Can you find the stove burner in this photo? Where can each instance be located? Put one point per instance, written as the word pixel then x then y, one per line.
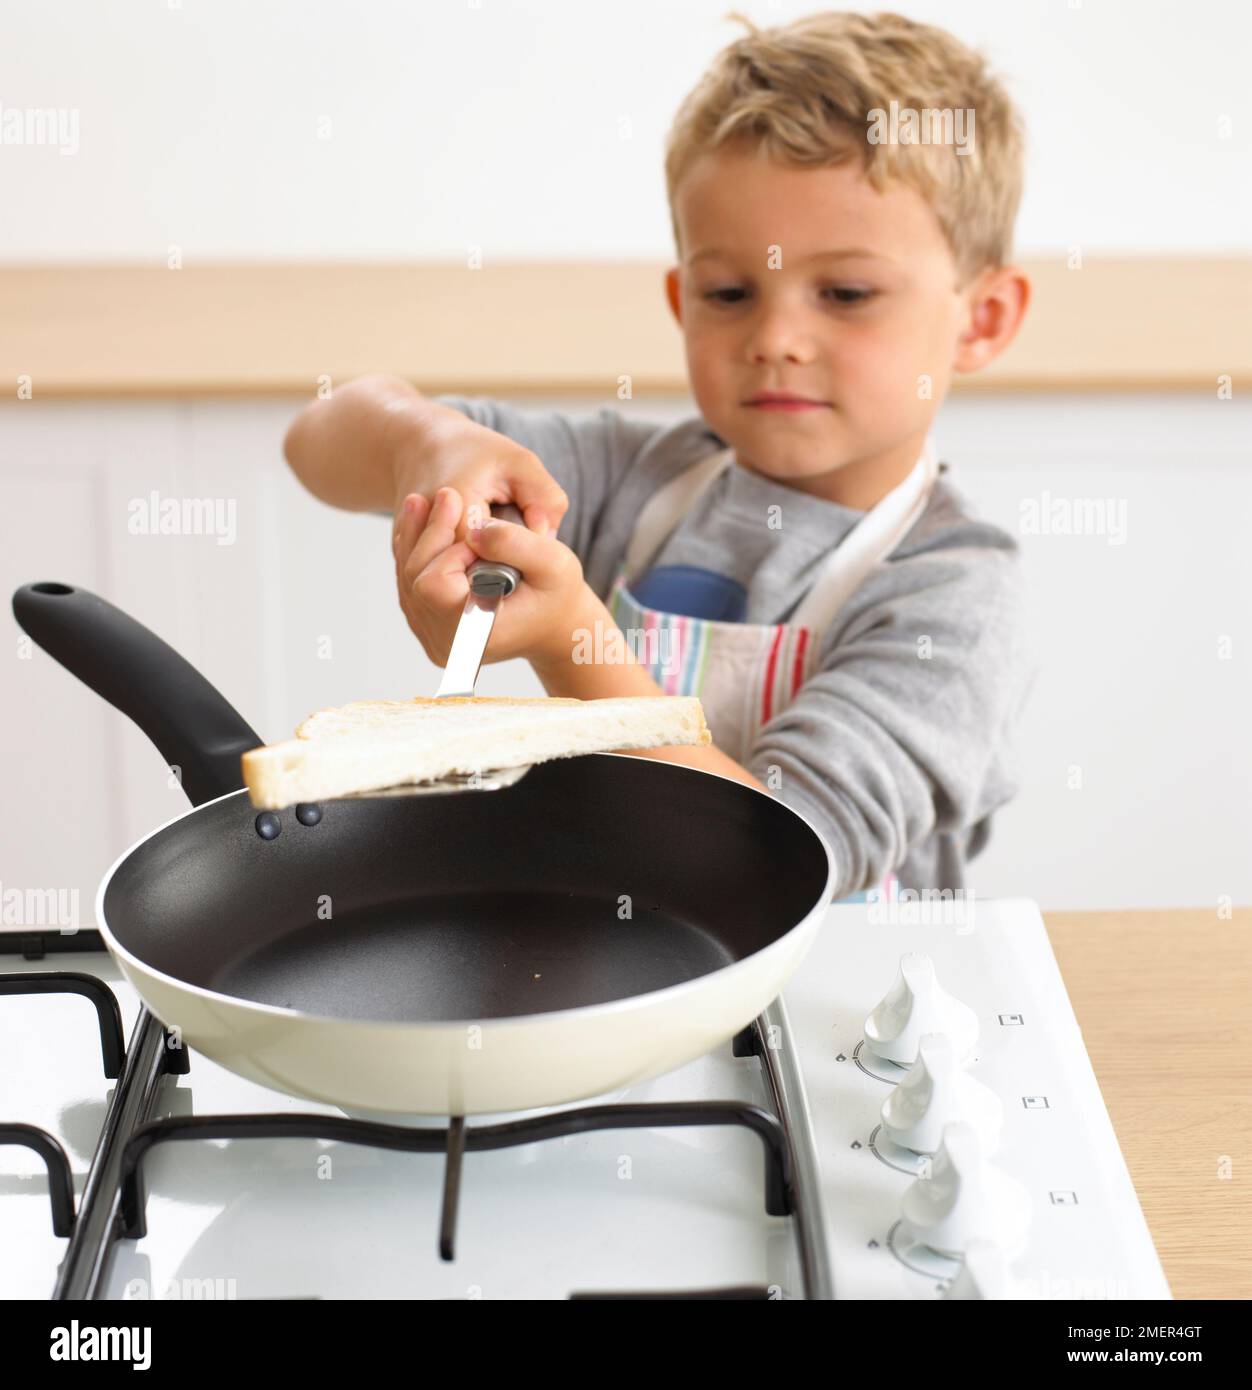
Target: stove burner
pixel 113 1203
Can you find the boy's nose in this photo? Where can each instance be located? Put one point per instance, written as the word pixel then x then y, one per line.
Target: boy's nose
pixel 779 336
pixel 782 346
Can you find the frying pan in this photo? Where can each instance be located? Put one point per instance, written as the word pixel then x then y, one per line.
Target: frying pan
pixel 602 921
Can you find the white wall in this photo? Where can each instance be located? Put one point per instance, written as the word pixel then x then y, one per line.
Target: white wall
pixel 499 123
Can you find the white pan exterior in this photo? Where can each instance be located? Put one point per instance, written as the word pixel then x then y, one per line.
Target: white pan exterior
pixel 470 1067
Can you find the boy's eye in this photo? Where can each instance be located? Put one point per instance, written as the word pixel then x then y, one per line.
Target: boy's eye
pixel 840 294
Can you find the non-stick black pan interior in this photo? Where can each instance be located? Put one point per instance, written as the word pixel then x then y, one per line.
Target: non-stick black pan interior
pixel 592 879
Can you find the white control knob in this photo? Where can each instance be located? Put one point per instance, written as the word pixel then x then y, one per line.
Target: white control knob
pixel 984 1274
pixel 935 1093
pixel 966 1199
pixel 916 1005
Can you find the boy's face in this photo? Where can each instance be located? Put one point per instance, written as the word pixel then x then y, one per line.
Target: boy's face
pixel 860 307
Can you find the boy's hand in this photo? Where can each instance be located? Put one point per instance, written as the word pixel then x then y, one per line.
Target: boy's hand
pixel 535 621
pixel 443 448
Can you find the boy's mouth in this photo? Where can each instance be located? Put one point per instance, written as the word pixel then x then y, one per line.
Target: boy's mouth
pixel 783 400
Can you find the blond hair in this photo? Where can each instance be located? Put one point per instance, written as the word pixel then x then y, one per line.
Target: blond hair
pixel 806 94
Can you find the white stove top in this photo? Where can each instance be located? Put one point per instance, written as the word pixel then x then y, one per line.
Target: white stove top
pixel 613 1210
pixel 1087 1236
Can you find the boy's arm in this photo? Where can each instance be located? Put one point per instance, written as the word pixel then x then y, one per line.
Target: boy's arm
pixel 347 448
pixel 562 676
pixel 902 732
pixel 373 441
pixel 378 438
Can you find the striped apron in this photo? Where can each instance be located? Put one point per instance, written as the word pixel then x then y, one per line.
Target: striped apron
pixel 747 673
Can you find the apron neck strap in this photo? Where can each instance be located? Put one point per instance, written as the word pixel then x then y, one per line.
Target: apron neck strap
pixel 870 541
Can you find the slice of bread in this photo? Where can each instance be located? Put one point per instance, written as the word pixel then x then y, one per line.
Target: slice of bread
pixel 372 744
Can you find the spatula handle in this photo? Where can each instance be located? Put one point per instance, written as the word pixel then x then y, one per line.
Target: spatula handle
pixel 493 576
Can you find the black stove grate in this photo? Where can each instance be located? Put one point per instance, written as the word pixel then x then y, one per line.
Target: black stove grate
pixel 114 1199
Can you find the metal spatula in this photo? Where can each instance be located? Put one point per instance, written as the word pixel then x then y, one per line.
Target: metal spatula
pixel 490 583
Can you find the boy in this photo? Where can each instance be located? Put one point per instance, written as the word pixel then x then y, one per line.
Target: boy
pixel 793 553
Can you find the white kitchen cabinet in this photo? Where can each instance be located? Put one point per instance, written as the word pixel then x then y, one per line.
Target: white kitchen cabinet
pixel 299 611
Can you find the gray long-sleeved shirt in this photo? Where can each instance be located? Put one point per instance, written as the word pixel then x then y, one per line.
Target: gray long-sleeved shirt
pixel 899 759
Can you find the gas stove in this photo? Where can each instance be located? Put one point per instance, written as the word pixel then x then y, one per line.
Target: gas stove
pixel 766 1169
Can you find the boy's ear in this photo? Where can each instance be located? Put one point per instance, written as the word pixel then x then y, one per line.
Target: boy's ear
pixel 672 294
pixel 996 305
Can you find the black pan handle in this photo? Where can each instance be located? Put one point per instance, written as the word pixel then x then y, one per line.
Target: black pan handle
pixel 193 727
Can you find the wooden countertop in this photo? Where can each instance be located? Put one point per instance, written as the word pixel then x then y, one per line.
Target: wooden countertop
pixel 1114 324
pixel 1164 1001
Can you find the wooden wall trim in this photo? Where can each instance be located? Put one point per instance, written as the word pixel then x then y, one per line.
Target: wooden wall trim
pixel 551 329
